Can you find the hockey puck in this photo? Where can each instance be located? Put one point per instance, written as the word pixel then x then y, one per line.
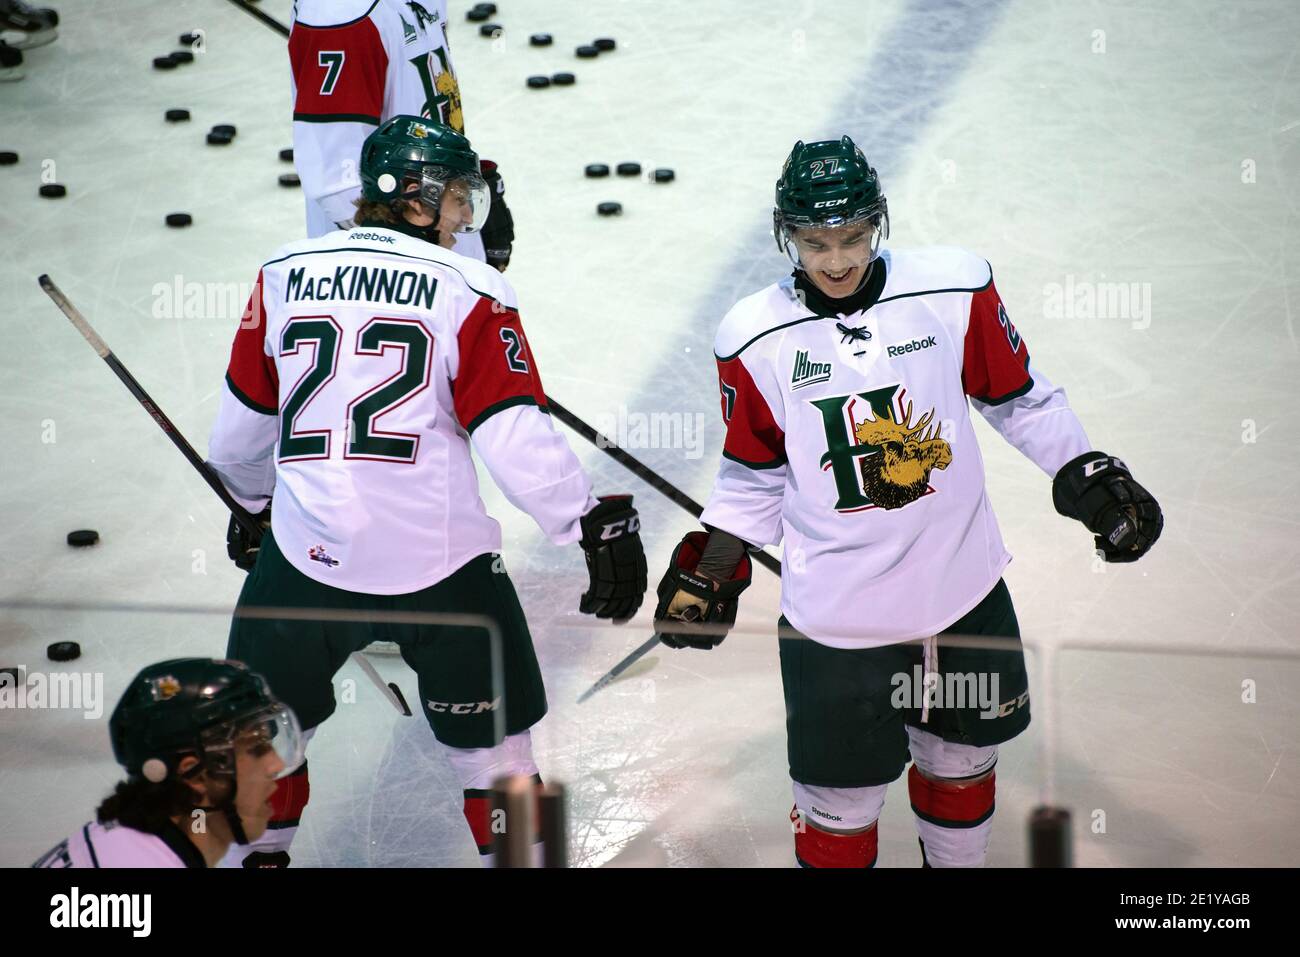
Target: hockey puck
pixel 490 8
pixel 164 63
pixel 176 221
pixel 477 15
pixel 225 128
pixel 8 158
pixel 629 169
pixel 182 56
pixel 540 40
pixel 609 209
pixel 188 39
pixel 54 190
pixel 538 82
pixel 83 537
pixel 604 44
pixel 586 52
pixel 219 139
pixel 663 175
pixel 290 179
pixel 287 154
pixel 63 651
pixel 595 170
pixel 177 116
pixel 490 30
pixel 563 79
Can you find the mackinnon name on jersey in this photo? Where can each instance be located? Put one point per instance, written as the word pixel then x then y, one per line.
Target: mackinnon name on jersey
pixel 369 284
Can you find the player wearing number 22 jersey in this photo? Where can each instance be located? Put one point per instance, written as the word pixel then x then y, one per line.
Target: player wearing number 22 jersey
pixel 367 364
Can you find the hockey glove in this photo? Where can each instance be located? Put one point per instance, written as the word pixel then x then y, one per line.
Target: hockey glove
pixel 688 596
pixel 1098 490
pixel 615 559
pixel 499 230
pixel 243 547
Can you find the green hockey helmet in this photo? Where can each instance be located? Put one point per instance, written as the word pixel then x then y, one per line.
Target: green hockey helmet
pixel 411 156
pixel 198 707
pixel 827 184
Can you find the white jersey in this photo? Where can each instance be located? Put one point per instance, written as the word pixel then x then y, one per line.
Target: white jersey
pixel 850 438
pixel 355 64
pixel 365 363
pixel 113 845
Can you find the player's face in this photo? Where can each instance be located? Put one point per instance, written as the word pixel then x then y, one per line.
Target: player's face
pixel 835 258
pixel 256 767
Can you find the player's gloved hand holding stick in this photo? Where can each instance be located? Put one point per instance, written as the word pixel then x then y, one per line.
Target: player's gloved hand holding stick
pixel 1097 490
pixel 498 231
pixel 692 596
pixel 242 545
pixel 615 559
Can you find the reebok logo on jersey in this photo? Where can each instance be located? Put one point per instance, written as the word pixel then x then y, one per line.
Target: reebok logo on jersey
pixel 807 372
pixel 915 345
pixel 377 237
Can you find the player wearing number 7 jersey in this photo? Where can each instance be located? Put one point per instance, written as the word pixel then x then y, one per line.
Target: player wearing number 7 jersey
pixel 365 365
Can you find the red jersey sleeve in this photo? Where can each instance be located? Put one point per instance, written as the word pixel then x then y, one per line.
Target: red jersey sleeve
pixel 339 72
pixel 496 368
pixel 753 437
pixel 995 360
pixel 252 375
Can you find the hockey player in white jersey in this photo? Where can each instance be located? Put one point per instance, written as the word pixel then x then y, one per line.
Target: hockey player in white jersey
pixel 366 364
pixel 203 743
pixel 846 390
pixel 356 64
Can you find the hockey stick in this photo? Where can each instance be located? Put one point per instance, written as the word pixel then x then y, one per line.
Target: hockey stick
pixel 622 666
pixel 245 518
pixel 266 18
pixel 645 473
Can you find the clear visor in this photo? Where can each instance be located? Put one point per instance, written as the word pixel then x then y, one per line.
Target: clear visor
pixel 461 199
pixel 273 728
pixel 833 246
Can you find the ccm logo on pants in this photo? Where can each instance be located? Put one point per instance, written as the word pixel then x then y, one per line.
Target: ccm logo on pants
pixel 468 707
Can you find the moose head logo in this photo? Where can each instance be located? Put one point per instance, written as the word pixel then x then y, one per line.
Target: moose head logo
pixel 884 460
pixel 900 472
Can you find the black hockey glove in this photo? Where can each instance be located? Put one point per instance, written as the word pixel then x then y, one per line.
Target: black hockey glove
pixel 615 559
pixel 1098 490
pixel 688 596
pixel 243 547
pixel 499 230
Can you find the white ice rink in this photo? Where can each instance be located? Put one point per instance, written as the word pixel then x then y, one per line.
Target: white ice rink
pixel 1084 149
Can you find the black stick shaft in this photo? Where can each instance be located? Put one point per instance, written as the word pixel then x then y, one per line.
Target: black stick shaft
pixel 266 18
pixel 645 473
pixel 242 515
pixel 607 678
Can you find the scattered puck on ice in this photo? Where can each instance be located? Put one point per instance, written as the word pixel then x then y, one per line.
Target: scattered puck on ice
pixel 219 139
pixel 177 116
pixel 492 30
pixel 490 8
pixel 563 79
pixel 83 537
pixel 595 170
pixel 539 82
pixel 604 44
pixel 477 15
pixel 541 40
pixel 164 63
pixel 225 128
pixel 609 209
pixel 188 39
pixel 176 221
pixel 290 179
pixel 664 175
pixel 182 56
pixel 8 158
pixel 63 651
pixel 287 154
pixel 586 52
pixel 629 169
pixel 54 190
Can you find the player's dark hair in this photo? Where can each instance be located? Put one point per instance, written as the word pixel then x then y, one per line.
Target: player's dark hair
pixel 145 806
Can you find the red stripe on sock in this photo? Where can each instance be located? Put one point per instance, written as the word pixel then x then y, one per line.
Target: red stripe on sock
pixel 290 797
pixel 949 800
pixel 478 814
pixel 817 848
